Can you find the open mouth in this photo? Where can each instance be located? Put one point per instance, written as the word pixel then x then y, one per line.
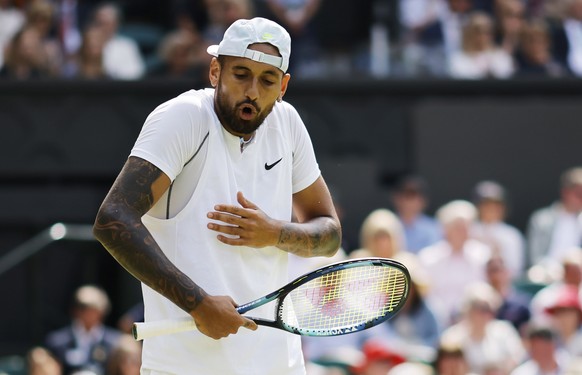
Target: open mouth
pixel 247 112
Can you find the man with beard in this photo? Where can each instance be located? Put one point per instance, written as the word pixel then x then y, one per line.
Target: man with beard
pixel 201 213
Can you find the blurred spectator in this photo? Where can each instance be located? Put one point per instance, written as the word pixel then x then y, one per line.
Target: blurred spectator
pixel 485 340
pixel 221 14
pixel 88 61
pixel 437 40
pixel 40 16
pixel 11 20
pixel 554 230
pixel 86 343
pixel 179 54
pixel 570 274
pixel 68 26
pixel 378 359
pixel 454 262
pixel 297 16
pixel 453 20
pixel 421 36
pixel 190 15
pixel 25 57
pixel 121 56
pixel 410 199
pixel 505 240
pixel 572 26
pixel 125 357
pixel 381 235
pixel 566 317
pixel 544 357
pixel 411 368
pixel 515 304
pixel 40 361
pixel 414 330
pixel 534 56
pixel 510 16
pixel 544 8
pixel 479 57
pixel 334 359
pixel 450 359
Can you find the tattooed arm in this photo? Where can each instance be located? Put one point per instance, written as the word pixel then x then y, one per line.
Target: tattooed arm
pixel 119 228
pixel 317 231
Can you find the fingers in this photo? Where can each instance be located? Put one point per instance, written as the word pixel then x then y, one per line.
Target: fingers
pixel 230 213
pixel 217 317
pixel 245 202
pixel 225 218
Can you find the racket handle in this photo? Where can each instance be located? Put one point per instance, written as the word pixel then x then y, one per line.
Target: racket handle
pixel 145 330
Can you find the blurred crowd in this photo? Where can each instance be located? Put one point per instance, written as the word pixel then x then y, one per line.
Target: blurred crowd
pixel 130 40
pixel 485 299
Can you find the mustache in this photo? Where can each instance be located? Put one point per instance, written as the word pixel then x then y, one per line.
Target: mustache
pixel 249 102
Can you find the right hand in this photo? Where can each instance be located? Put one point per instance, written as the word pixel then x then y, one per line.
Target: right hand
pixel 216 317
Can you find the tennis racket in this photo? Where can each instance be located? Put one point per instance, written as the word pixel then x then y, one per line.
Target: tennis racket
pixel 337 299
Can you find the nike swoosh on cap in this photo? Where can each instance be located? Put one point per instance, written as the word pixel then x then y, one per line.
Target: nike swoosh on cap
pixel 269 166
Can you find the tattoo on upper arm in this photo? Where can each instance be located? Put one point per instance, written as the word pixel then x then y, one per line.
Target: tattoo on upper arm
pixel 139 177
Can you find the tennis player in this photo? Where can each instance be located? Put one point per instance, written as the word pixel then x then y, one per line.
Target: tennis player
pixel 201 212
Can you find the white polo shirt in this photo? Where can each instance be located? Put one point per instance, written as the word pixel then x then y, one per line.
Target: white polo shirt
pixel 184 138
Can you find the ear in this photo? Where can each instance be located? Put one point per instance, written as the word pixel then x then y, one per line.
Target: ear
pixel 214 72
pixel 284 84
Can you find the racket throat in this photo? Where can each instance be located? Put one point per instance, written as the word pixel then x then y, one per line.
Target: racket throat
pixel 265 322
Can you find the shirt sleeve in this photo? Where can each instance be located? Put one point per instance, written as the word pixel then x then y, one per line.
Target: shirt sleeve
pixel 305 167
pixel 168 136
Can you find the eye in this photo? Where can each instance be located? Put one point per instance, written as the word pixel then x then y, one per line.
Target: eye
pixel 240 75
pixel 268 82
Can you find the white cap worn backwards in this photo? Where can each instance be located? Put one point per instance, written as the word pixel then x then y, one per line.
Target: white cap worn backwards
pixel 243 33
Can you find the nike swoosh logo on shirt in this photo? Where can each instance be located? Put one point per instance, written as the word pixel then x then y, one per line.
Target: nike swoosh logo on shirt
pixel 269 166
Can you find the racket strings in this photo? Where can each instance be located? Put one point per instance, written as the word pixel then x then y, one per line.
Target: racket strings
pixel 343 299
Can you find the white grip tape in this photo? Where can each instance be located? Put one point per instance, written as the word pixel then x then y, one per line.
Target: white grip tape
pixel 146 330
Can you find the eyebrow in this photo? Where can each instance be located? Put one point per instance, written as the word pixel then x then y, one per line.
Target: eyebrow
pixel 269 71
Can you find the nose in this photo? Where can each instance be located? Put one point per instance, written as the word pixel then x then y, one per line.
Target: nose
pixel 252 91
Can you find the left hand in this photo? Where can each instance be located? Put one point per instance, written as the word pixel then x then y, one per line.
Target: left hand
pixel 248 223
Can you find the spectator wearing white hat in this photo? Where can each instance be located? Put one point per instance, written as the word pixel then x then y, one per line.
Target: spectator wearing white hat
pixel 455 262
pixel 87 342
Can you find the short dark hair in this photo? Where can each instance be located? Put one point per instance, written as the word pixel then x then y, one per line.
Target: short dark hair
pixel 537 330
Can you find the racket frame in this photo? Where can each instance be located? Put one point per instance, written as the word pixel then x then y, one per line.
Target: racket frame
pixel 280 295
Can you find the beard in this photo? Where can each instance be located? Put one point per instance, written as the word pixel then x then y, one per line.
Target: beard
pixel 229 115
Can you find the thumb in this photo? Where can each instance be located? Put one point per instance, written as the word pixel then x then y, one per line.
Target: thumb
pixel 249 324
pixel 245 202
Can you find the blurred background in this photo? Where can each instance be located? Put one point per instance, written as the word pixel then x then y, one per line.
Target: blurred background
pixel 454 91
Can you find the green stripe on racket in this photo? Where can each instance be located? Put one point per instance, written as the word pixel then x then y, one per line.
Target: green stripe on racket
pixel 337 299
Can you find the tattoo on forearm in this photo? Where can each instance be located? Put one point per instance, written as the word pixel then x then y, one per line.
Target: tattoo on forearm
pixel 319 238
pixel 119 228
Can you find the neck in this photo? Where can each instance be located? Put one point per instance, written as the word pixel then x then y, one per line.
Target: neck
pixel 503 290
pixel 477 333
pixel 457 245
pixel 548 365
pixel 408 217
